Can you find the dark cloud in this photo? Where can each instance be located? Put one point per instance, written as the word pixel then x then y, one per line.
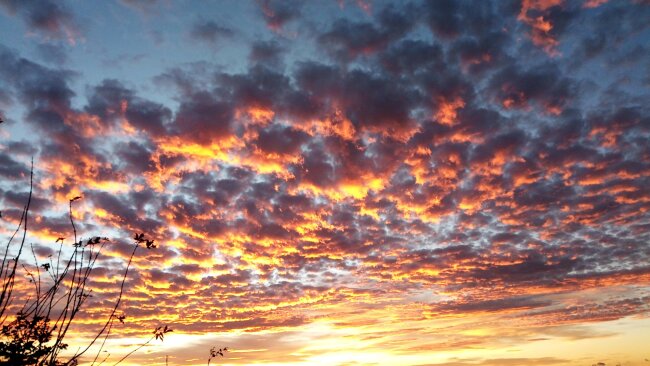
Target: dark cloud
pixel 125 215
pixel 267 52
pixel 112 101
pixel 370 101
pixel 478 305
pixel 260 87
pixel 278 13
pixel 409 56
pixel 281 140
pixel 210 31
pixel 202 118
pixel 43 90
pixel 317 168
pixel 136 157
pixel 477 54
pixel 443 17
pixel 53 20
pixel 545 85
pixel 12 169
pixel 348 39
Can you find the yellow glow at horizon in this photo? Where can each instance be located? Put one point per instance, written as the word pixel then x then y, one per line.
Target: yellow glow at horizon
pixel 320 342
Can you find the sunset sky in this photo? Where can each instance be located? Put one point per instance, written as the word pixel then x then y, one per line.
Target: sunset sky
pixel 344 182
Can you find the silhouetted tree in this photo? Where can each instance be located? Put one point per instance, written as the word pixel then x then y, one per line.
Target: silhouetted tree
pixel 36 334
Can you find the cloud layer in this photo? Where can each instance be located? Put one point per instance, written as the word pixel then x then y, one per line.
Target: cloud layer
pixel 452 162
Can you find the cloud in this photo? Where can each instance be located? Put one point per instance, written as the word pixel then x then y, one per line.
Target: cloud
pixel 346 39
pixel 112 102
pixel 277 14
pixel 12 169
pixel 518 88
pixel 210 32
pixel 267 52
pixel 51 20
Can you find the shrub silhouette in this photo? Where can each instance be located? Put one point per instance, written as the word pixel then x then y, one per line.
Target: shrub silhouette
pixel 214 352
pixel 27 340
pixel 36 334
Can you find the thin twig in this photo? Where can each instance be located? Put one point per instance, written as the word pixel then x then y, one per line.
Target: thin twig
pixel 135 350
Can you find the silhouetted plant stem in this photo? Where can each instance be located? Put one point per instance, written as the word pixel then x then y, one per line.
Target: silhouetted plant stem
pixel 117 304
pixel 134 350
pixel 36 335
pixel 158 333
pixel 9 277
pixel 103 343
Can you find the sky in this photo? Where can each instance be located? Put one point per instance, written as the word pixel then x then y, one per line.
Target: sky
pixel 342 182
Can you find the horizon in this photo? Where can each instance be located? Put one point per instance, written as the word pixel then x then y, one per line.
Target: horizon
pixel 340 182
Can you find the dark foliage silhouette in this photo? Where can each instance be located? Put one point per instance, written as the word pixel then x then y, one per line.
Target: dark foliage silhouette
pixel 214 352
